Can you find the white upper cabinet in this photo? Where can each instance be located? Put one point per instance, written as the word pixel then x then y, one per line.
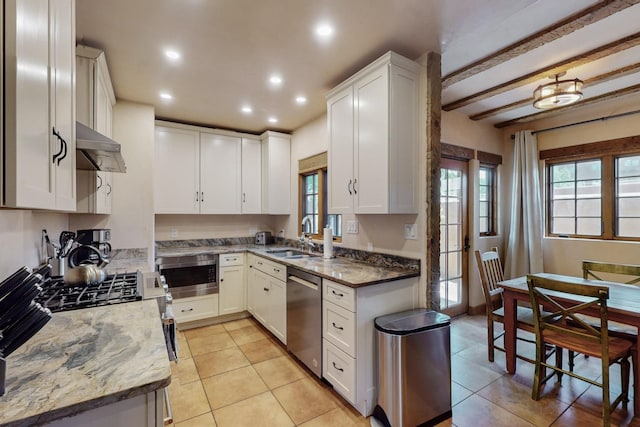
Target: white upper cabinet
pixel 94 108
pixel 276 173
pixel 177 171
pixel 251 176
pixel 39 76
pixel 220 174
pixel 199 170
pixel 373 139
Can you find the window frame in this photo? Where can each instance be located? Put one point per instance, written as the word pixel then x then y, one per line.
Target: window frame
pixel 493 205
pixel 322 194
pixel 609 215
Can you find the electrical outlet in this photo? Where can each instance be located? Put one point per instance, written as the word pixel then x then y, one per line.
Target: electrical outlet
pixel 174 233
pixel 411 231
pixel 352 227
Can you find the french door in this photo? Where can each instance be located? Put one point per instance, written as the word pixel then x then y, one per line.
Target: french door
pixel 454 241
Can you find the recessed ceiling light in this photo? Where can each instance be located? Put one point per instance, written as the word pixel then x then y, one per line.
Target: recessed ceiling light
pixel 324 31
pixel 246 109
pixel 275 80
pixel 273 120
pixel 165 95
pixel 173 55
pixel 301 100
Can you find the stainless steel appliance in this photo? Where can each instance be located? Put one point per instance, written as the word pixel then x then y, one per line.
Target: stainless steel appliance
pixel 263 238
pixel 304 318
pixel 98 238
pixel 190 275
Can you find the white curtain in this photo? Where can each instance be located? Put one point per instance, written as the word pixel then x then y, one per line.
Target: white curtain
pixel 524 248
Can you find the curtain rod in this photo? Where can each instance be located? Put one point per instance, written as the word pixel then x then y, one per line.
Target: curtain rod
pixel 603 119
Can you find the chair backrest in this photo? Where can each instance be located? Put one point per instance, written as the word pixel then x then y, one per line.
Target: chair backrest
pixel 491 273
pixel 589 269
pixel 562 301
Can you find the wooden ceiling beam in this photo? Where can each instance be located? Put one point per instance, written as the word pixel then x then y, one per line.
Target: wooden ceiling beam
pixel 568 25
pixel 602 78
pixel 557 68
pixel 584 103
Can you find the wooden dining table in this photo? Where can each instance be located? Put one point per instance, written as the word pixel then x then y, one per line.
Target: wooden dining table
pixel 623 307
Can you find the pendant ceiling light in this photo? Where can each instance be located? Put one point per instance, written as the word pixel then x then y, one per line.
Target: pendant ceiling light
pixel 558 93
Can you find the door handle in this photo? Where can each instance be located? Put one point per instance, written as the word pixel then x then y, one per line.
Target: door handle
pixel 466 244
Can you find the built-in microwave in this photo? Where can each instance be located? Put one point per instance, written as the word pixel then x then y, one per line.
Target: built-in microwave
pixel 190 275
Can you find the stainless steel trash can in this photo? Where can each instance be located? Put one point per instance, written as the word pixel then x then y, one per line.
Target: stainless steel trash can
pixel 414 368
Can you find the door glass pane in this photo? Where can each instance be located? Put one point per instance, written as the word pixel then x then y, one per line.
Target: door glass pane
pixel 451 238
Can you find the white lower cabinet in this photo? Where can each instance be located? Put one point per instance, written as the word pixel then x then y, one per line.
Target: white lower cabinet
pixel 233 290
pixel 143 411
pixel 349 351
pixel 267 295
pixel 195 308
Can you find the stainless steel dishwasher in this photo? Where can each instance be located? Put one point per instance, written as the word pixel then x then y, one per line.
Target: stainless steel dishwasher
pixel 304 318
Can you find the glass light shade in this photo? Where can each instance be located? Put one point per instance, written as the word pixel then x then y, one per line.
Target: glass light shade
pixel 557 94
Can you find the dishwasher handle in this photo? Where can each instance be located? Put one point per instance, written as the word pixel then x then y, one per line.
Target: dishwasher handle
pixel 303 282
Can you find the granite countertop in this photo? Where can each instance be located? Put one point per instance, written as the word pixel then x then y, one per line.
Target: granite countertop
pixel 341 270
pixel 84 359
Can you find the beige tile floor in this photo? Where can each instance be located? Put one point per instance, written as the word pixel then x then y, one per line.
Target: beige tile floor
pixel 236 374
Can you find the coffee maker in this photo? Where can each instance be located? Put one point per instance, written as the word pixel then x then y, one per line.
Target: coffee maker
pixel 99 239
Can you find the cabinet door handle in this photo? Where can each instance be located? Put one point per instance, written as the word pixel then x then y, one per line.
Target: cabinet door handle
pixel 337 293
pixel 201 196
pixel 349 188
pixel 265 289
pixel 277 270
pixel 197 196
pixel 336 366
pixel 64 155
pixel 99 182
pixel 337 327
pixel 355 189
pixel 55 156
pixel 244 197
pixel 108 189
pixel 189 309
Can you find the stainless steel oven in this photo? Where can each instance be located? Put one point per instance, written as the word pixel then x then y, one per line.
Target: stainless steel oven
pixel 190 275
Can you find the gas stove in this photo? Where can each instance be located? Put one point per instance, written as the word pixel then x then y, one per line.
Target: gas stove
pixel 116 289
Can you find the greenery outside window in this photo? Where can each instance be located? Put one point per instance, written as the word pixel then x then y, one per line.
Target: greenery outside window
pixel 487 199
pixel 313 204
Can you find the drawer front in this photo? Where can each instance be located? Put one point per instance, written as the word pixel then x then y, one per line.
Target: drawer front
pixel 271 268
pixel 341 295
pixel 339 327
pixel 226 260
pixel 340 370
pixel 195 308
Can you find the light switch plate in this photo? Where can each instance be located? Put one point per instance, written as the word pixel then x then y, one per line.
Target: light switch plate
pixel 411 231
pixel 352 227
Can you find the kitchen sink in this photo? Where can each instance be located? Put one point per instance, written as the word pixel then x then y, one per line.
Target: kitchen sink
pixel 288 253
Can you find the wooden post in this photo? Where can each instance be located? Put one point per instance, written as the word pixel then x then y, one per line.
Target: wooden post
pixel 433 115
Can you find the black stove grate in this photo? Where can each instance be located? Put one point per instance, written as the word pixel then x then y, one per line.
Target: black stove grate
pixel 116 289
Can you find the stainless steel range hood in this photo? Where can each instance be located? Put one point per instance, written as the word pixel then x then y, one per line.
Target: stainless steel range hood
pixel 97 152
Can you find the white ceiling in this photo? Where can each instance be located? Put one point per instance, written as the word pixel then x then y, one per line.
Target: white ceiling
pixel 230 47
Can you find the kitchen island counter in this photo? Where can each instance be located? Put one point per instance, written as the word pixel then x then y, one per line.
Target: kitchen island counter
pixel 345 271
pixel 85 359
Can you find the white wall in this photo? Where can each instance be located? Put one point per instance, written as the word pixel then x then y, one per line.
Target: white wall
pixel 564 256
pixel 132 218
pixel 20 237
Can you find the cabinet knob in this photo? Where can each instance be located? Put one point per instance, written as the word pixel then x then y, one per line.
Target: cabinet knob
pixel 265 289
pixel 221 279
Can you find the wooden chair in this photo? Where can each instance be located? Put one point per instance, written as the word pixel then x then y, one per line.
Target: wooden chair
pixel 595 270
pixel 491 273
pixel 590 268
pixel 560 326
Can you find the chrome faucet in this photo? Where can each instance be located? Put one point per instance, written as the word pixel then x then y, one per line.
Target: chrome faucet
pixel 306 224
